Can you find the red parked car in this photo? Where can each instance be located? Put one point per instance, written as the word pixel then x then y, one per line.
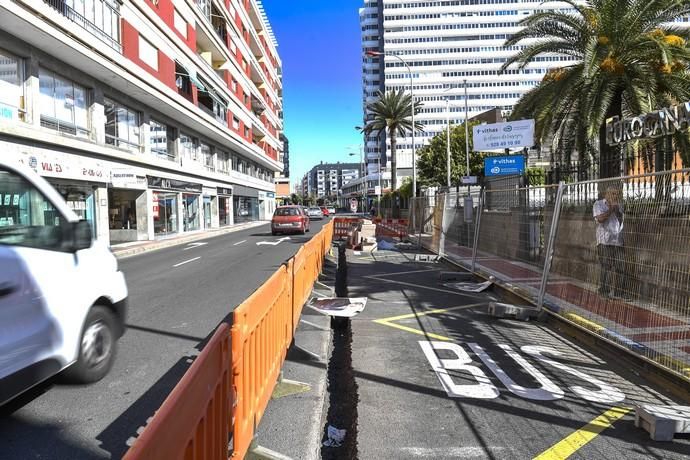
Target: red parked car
pixel 289 219
pixel 324 211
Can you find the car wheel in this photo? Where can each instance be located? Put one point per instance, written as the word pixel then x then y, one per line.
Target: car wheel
pixel 97 347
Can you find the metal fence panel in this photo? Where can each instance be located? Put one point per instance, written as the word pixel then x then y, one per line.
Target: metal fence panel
pixel 627 277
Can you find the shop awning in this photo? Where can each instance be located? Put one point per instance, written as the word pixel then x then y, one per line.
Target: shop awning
pixel 191 73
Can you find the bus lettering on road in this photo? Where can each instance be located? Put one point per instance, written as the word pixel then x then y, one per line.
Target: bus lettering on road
pixel 484 389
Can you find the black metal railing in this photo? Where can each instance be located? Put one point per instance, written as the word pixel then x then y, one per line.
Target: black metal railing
pixel 110 14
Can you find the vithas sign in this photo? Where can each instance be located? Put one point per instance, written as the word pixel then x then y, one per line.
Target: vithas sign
pixel 498 136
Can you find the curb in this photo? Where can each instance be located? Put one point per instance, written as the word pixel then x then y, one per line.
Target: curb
pixel 162 244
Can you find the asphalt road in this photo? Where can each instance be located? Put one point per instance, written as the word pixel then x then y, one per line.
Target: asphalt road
pixel 178 296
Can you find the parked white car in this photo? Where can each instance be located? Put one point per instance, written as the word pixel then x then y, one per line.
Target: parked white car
pixel 63 300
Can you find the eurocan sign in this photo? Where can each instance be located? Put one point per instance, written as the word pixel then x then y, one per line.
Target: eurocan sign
pixel 496 136
pixel 648 126
pixel 504 165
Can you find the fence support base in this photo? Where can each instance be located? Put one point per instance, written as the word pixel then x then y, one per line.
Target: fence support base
pixel 256 452
pixel 286 387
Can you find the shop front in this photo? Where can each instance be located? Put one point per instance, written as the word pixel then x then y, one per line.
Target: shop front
pixel 224 206
pixel 81 181
pixel 127 216
pixel 245 204
pixel 175 205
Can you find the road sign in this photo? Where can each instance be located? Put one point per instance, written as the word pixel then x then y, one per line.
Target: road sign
pixel 468 180
pixel 499 136
pixel 353 204
pixel 504 165
pixel 377 190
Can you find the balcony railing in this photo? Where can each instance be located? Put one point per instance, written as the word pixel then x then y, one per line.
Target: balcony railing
pixel 102 22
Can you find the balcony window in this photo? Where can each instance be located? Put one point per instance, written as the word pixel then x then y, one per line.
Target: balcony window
pixel 207 155
pixel 180 23
pixel 11 87
pixel 148 53
pixel 188 147
pixel 122 126
pixel 62 104
pixel 160 139
pixel 223 160
pixel 183 80
pixel 101 18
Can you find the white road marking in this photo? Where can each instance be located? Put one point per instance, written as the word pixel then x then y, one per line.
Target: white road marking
pixel 273 243
pixel 186 262
pixel 240 242
pixel 194 245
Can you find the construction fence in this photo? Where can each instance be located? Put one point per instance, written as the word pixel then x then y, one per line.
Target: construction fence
pixel 624 277
pixel 214 411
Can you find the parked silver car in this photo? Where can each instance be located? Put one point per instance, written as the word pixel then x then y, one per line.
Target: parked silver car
pixel 314 213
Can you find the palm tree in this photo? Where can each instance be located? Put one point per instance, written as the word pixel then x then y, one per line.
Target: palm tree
pixel 627 60
pixel 391 113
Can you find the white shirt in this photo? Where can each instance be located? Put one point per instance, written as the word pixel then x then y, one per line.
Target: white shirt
pixel 609 232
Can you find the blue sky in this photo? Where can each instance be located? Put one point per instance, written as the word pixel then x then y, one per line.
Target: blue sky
pixel 319 44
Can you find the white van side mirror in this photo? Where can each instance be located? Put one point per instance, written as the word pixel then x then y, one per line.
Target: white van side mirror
pixel 80 235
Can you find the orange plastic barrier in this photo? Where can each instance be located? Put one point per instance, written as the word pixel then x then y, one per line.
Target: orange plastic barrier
pixel 194 420
pixel 391 227
pixel 261 336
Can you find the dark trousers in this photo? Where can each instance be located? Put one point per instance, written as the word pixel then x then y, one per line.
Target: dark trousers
pixel 611 269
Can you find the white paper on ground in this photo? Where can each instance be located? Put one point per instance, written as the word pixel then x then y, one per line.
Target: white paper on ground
pixel 345 307
pixel 469 287
pixel 335 437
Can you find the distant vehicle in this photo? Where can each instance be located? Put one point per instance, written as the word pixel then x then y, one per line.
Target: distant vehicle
pixel 314 213
pixel 324 211
pixel 289 219
pixel 63 300
pixel 331 209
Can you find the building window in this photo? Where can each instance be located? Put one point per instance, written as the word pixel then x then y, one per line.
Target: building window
pixel 180 23
pixel 246 131
pixel 11 87
pixel 100 17
pixel 188 147
pixel 148 53
pixel 235 123
pixel 122 126
pixel 182 80
pixel 223 160
pixel 213 104
pixel 62 104
pixel 160 139
pixel 233 85
pixel 207 155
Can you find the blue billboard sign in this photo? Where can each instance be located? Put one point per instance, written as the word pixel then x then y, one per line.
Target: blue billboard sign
pixel 504 165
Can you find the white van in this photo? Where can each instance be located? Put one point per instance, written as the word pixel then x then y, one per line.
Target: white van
pixel 63 300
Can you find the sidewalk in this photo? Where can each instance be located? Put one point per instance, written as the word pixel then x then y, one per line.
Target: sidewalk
pixel 437 378
pixel 123 250
pixel 640 326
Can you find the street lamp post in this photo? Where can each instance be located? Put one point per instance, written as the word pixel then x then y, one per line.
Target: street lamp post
pixel 361 172
pixel 414 158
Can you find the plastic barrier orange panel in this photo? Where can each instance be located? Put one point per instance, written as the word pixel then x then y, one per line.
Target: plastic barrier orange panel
pixel 194 420
pixel 261 335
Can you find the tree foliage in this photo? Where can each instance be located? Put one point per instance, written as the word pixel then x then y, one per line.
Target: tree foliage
pixel 627 59
pixel 391 113
pixel 432 163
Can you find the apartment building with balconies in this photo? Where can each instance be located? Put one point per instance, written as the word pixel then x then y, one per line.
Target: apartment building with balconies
pixel 150 117
pixel 444 43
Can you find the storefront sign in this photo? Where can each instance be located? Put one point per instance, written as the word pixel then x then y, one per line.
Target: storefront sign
pixel 498 136
pixel 654 124
pixel 270 195
pixel 155 206
pixel 173 184
pixel 224 191
pixel 8 112
pixel 126 178
pixel 66 166
pixel 504 165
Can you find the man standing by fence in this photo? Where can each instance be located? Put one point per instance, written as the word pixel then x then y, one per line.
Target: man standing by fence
pixel 608 213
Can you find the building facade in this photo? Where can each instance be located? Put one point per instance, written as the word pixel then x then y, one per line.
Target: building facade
pixel 445 43
pixel 151 118
pixel 326 180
